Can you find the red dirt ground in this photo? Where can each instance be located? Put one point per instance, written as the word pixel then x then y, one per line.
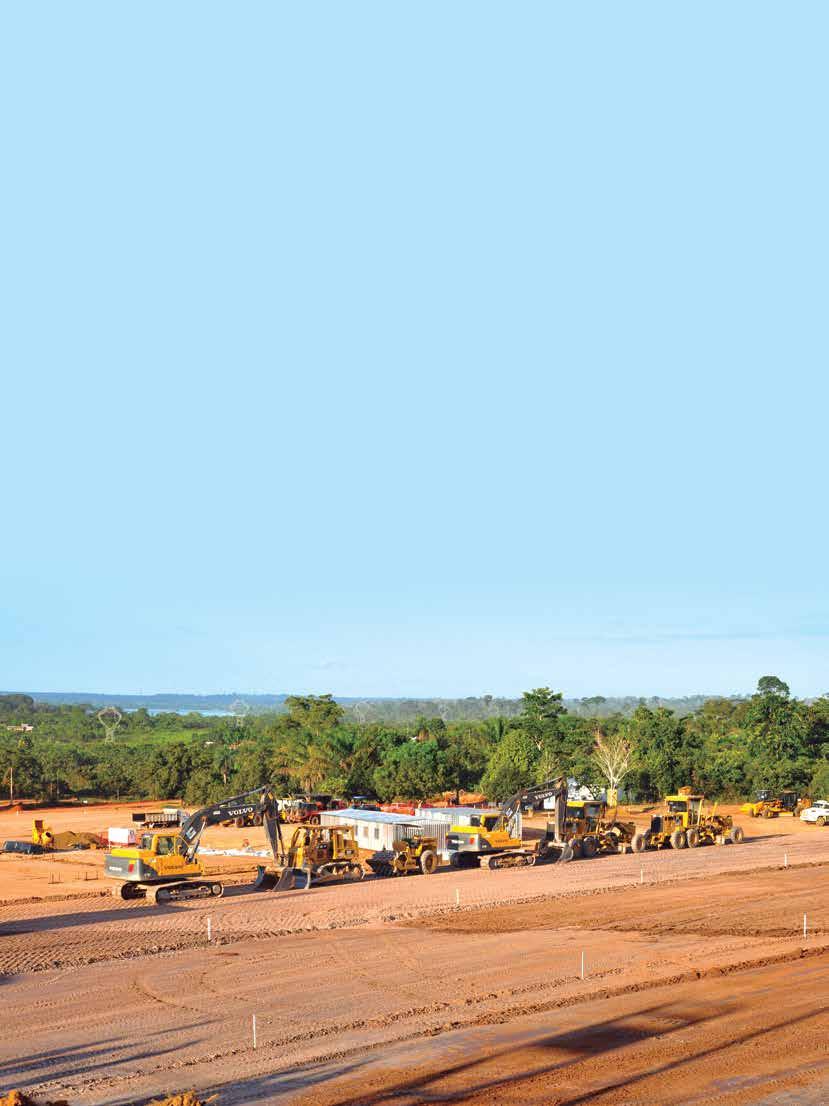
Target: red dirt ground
pixel 699 986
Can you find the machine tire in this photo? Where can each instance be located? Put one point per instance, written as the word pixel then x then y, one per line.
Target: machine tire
pixel 678 839
pixel 589 848
pixel 735 835
pixel 768 813
pixel 217 890
pixel 161 895
pixel 639 842
pixel 821 821
pixel 314 820
pixel 354 872
pixel 239 822
pixel 454 860
pixel 127 891
pixel 428 862
pixel 692 837
pixel 257 819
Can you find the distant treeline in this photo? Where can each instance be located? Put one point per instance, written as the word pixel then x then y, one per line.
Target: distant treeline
pixel 471 708
pixel 727 748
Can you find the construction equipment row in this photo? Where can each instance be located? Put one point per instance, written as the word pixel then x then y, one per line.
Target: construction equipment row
pixel 163 864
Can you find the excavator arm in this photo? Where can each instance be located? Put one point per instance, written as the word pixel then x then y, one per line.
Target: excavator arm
pixel 261 801
pixel 556 789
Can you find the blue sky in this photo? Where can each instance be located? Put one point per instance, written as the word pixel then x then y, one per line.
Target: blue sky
pixel 435 349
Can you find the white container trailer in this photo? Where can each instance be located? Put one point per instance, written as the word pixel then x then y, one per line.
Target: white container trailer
pixel 376 829
pixel 122 835
pixel 464 815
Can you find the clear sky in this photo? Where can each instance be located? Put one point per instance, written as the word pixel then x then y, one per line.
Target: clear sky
pixel 414 349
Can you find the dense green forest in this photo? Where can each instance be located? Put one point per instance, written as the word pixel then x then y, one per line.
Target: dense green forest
pixel 728 748
pixel 470 708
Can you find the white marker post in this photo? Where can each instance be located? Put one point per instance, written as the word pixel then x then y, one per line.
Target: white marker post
pixel 804 925
pixel 254 1031
pixel 785 860
pixel 457 898
pixel 209 930
pixel 582 965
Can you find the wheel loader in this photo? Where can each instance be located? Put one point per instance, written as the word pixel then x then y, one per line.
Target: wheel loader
pixel 685 823
pixel 769 805
pixel 320 854
pixel 410 853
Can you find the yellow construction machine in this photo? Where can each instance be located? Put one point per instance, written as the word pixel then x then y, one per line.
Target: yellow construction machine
pixel 769 805
pixel 490 840
pixel 591 828
pixel 164 866
pixel 410 853
pixel 316 854
pixel 49 839
pixel 685 823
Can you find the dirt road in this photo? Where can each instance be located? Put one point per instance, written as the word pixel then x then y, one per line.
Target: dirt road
pixel 698 987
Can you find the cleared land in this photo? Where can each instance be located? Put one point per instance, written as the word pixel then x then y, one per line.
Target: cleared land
pixel 699 985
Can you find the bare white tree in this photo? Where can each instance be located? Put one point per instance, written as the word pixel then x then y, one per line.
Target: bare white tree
pixel 612 756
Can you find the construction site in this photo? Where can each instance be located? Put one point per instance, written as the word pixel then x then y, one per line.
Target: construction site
pixel 612 981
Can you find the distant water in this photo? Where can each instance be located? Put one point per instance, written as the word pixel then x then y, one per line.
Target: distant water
pixel 172 710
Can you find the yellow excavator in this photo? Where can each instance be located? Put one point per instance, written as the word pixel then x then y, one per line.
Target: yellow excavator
pixel 164 866
pixel 490 840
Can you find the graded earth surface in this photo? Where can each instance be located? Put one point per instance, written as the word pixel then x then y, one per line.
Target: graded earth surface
pixel 670 977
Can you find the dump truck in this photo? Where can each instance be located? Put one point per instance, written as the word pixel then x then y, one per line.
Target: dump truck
pixel 490 840
pixel 411 853
pixel 160 819
pixel 685 823
pixel 770 805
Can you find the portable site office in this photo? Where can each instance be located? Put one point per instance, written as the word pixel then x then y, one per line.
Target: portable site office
pixel 376 829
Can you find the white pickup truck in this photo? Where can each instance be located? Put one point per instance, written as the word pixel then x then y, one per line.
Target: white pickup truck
pixel 818 813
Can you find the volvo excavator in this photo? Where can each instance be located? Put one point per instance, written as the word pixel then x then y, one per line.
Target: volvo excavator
pixel 164 865
pixel 491 842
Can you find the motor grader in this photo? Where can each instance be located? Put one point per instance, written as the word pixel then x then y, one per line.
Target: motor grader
pixel 411 853
pixel 685 823
pixel 769 805
pixel 591 828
